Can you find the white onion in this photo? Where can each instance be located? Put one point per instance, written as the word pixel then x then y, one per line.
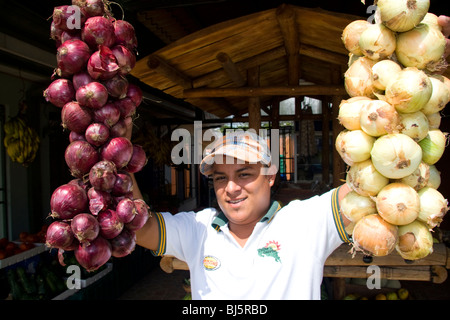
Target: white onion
pixel 349 227
pixel 433 207
pixel 358 78
pixel 402 15
pixel 349 112
pixel 415 241
pixel 352 58
pixel 378 118
pixel 435 178
pixel 432 20
pixel 410 91
pixel 433 146
pixel 396 155
pixel 355 206
pixel 377 42
pixel 398 203
pixel 351 35
pixel 364 179
pixel 375 236
pixel 439 98
pixel 383 72
pixel 419 178
pixel 354 146
pixel 434 120
pixel 422 47
pixel 415 125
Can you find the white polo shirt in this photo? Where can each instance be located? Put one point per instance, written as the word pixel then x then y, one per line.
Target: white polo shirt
pixel 283 258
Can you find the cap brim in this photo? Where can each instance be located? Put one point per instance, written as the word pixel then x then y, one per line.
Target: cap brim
pixel 248 156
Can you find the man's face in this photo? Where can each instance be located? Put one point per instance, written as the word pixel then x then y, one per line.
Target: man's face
pixel 243 193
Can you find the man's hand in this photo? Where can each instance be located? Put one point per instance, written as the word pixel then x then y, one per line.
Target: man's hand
pixel 444 22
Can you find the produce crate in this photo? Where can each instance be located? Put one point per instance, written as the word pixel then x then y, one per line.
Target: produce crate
pixel 39 248
pixel 85 283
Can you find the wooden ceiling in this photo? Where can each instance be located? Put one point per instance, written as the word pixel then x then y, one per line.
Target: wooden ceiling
pixel 220 56
pixel 264 54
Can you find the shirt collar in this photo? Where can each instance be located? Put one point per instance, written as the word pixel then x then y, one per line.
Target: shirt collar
pixel 220 220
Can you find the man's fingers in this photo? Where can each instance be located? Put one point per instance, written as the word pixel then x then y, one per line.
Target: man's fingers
pixel 444 22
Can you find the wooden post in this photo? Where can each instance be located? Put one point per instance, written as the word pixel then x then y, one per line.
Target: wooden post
pixel 254 108
pixel 339 166
pixel 325 141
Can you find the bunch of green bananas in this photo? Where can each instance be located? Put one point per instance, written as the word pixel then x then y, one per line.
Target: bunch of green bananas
pixel 21 141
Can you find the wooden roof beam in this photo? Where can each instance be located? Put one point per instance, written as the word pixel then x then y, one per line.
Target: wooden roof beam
pixel 231 69
pixel 305 90
pixel 323 55
pixel 254 61
pixel 286 21
pixel 160 66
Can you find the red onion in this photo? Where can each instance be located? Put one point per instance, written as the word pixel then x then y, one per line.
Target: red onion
pixel 55 33
pixel 135 94
pixel 123 184
pixel 67 201
pixel 90 8
pixel 60 92
pixel 80 156
pixel 109 114
pixel 98 31
pixel 125 59
pixel 118 150
pixel 85 227
pixel 98 200
pixel 119 129
pixel 141 217
pixel 126 106
pixel 93 256
pixel 102 64
pixel 125 34
pixel 117 199
pixel 72 56
pixel 117 86
pixel 59 235
pixel 63 17
pixel 110 224
pixel 75 118
pixel 80 79
pixel 75 136
pixel 79 182
pixel 70 35
pixel 103 175
pixel 123 244
pixel 126 210
pixel 93 95
pixel 97 134
pixel 138 159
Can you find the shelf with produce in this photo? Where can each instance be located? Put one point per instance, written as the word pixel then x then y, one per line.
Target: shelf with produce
pixel 22 256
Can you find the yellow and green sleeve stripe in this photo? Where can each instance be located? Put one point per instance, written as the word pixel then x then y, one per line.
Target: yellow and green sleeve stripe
pixel 337 217
pixel 162 235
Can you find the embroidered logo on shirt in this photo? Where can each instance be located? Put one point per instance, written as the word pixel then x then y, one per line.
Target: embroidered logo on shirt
pixel 211 263
pixel 270 250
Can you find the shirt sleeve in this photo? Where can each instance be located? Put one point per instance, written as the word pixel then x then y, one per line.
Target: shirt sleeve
pixel 180 234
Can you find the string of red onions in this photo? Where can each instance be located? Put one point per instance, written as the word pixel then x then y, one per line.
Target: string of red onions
pixel 95 215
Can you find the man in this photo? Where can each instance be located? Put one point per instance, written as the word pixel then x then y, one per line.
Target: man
pixel 252 248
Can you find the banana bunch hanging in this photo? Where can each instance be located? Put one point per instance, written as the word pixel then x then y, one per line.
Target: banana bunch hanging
pixel 21 141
